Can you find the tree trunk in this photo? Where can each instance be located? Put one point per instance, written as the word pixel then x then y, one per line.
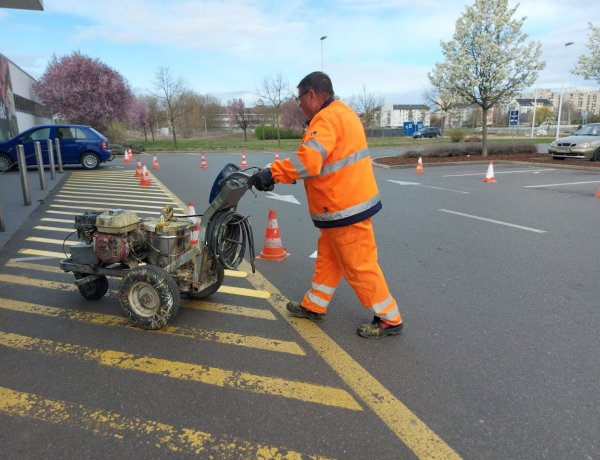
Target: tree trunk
pixel 173 128
pixel 484 133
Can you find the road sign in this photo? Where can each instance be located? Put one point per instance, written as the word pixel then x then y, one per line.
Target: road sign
pixel 513 118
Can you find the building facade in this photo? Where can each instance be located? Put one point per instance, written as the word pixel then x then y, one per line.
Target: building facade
pixel 394 115
pixel 20 108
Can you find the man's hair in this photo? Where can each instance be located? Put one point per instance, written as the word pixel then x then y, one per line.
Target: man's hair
pixel 317 81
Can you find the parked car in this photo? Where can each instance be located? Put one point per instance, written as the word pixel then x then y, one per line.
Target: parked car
pixel 79 144
pixel 583 143
pixel 427 132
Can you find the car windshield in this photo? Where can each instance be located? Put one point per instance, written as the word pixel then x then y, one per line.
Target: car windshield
pixel 588 130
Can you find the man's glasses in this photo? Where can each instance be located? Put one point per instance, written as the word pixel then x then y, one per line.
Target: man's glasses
pixel 300 95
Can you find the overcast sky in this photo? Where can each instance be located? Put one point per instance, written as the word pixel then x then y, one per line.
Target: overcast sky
pixel 227 47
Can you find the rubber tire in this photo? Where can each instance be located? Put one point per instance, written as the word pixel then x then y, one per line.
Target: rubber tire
pixel 596 156
pixel 158 288
pixel 94 290
pixel 89 160
pixel 6 163
pixel 210 290
pixel 558 158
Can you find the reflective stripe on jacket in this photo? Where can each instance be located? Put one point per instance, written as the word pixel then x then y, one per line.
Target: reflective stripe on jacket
pixel 335 164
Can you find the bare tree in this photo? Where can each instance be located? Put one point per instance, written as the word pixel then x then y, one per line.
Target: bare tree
pixel 442 101
pixel 367 106
pixel 238 116
pixel 275 91
pixel 153 113
pixel 171 94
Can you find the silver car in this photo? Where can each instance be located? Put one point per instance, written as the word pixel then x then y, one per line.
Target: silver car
pixel 583 143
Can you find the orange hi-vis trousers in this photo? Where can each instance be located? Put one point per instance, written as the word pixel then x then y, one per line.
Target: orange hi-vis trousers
pixel 350 252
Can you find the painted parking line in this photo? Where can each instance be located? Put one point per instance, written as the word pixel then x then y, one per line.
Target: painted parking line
pixel 564 183
pixel 533 171
pixel 189 332
pixel 189 372
pixel 499 222
pixel 113 425
pixel 405 424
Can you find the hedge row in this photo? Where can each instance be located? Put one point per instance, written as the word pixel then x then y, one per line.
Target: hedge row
pixel 270 132
pixel 472 149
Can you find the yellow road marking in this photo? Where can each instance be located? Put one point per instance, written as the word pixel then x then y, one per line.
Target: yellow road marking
pixel 36 252
pixel 261 294
pixel 54 229
pixel 29 266
pixel 78 196
pixel 180 440
pixel 230 309
pixel 208 375
pixel 37 239
pixel 236 274
pixel 62 221
pixel 128 191
pixel 399 418
pixel 107 203
pixel 119 186
pixel 87 208
pixel 227 338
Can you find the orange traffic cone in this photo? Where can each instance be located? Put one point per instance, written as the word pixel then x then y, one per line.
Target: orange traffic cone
pixel 126 157
pixel 244 164
pixel 273 249
pixel 195 220
pixel 130 153
pixel 489 176
pixel 138 169
pixel 155 164
pixel 598 193
pixel 203 165
pixel 419 169
pixel 276 156
pixel 145 177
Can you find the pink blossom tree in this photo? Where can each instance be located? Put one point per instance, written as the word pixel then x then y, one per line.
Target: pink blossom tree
pixel 139 114
pixel 238 117
pixel 292 116
pixel 84 90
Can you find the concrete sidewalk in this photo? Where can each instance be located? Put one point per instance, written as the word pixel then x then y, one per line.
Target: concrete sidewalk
pixel 13 211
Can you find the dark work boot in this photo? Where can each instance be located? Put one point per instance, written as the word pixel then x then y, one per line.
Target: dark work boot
pixel 296 309
pixel 377 329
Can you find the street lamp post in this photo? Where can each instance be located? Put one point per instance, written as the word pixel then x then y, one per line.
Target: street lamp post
pixel 560 99
pixel 322 38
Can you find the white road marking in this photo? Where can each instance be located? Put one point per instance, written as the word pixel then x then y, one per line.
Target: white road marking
pixel 287 198
pixel 427 186
pixel 565 183
pixel 529 229
pixel 536 171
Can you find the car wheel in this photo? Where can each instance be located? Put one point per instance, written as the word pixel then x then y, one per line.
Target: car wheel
pixel 558 158
pixel 596 155
pixel 90 160
pixel 5 162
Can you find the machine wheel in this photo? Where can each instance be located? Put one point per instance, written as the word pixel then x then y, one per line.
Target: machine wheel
pixel 210 290
pixel 90 160
pixel 94 290
pixel 149 296
pixel 6 162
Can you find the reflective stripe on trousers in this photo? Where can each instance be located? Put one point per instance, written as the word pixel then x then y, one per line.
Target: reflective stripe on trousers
pixel 350 252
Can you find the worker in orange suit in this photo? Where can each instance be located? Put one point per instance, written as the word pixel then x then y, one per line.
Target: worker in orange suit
pixel 334 162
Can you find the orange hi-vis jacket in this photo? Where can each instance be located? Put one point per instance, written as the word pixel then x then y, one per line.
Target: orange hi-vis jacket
pixel 335 164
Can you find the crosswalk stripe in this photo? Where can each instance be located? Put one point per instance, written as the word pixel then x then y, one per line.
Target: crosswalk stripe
pixel 37 252
pixel 111 191
pixel 80 209
pixel 108 203
pixel 60 221
pixel 37 239
pixel 113 425
pixel 227 338
pixel 80 197
pixel 208 375
pixel 54 229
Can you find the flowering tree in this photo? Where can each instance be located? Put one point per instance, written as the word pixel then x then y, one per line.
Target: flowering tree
pixel 487 61
pixel 139 114
pixel 84 90
pixel 589 66
pixel 236 112
pixel 292 116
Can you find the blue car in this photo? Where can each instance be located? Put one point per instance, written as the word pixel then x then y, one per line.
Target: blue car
pixel 79 144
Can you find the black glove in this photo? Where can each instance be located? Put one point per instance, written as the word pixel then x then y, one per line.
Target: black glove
pixel 263 180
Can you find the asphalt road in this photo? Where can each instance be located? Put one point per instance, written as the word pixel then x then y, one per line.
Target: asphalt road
pixel 498 359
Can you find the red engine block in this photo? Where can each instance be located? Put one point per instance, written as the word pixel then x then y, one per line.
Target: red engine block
pixel 111 248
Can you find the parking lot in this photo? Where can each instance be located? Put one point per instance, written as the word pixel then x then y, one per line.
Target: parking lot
pixel 499 358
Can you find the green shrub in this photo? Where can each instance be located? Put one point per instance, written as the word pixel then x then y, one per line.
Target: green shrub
pixel 270 132
pixel 472 149
pixel 457 135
